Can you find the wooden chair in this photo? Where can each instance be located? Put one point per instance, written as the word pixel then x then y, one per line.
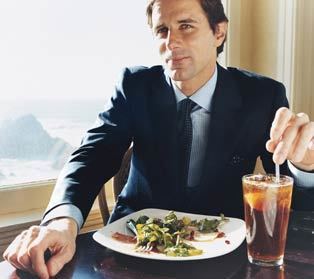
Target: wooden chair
pixel 118 183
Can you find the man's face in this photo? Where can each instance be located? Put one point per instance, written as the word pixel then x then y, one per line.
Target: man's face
pixel 186 43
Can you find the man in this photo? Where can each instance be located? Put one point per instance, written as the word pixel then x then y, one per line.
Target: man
pixel 232 116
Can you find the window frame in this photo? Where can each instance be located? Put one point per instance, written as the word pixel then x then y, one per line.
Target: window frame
pixel 19 200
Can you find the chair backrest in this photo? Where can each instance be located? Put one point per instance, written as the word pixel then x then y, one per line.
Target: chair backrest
pixel 121 177
pixel 118 183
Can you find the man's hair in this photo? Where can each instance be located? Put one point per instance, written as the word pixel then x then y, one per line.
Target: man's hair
pixel 213 9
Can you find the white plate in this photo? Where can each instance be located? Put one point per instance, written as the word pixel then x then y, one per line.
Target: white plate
pixel 234 233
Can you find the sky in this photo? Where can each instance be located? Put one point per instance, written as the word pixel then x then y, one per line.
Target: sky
pixel 70 49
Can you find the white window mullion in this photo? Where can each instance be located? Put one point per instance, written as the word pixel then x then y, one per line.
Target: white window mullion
pixel 286 41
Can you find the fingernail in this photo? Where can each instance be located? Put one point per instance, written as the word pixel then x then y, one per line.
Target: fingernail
pixel 311 145
pixel 44 276
pixel 278 158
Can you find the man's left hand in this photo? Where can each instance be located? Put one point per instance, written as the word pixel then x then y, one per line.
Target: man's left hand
pixel 292 138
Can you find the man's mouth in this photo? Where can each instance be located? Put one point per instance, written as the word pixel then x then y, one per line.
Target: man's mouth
pixel 176 62
pixel 177 59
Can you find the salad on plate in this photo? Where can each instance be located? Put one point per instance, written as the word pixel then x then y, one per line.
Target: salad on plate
pixel 171 235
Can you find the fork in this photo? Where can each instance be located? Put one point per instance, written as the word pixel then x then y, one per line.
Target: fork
pixel 130 224
pixel 144 248
pixel 141 248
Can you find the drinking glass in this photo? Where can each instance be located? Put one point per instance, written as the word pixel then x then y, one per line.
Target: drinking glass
pixel 267 207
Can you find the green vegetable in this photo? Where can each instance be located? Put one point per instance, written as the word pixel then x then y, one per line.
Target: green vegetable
pixel 142 219
pixel 182 250
pixel 167 236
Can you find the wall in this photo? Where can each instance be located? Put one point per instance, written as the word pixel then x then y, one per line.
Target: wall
pixel 252 41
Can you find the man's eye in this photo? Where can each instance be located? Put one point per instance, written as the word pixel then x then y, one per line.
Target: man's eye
pixel 186 26
pixel 161 31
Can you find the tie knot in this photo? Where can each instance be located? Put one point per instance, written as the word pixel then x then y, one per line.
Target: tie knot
pixel 186 105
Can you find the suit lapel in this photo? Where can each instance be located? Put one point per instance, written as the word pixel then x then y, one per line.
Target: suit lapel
pixel 225 117
pixel 163 111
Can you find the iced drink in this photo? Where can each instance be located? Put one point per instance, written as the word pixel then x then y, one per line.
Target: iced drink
pixel 267 208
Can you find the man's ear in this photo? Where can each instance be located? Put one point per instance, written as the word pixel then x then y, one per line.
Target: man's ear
pixel 221 32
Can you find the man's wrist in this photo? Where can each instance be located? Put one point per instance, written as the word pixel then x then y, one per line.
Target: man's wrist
pixel 63 211
pixel 303 179
pixel 302 167
pixel 64 223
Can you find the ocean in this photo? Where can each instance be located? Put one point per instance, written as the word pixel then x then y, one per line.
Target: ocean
pixel 65 119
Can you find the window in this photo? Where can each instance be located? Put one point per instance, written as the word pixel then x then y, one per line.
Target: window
pixel 59 63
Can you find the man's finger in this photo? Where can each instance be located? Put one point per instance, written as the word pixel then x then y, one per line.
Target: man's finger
pixel 22 255
pixel 311 145
pixel 281 121
pixel 59 259
pixel 285 145
pixel 270 146
pixel 303 143
pixel 36 253
pixel 10 254
pixel 289 133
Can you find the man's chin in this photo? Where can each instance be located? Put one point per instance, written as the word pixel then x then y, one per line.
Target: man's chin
pixel 176 74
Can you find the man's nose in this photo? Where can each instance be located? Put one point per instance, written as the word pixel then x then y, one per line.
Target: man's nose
pixel 173 40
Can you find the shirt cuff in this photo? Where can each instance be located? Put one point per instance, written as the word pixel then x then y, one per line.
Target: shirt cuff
pixel 65 210
pixel 301 178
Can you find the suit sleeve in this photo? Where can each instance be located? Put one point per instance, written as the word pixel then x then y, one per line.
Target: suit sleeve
pixel 99 156
pixel 302 198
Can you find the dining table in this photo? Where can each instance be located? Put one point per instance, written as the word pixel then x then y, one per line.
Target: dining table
pixel 92 260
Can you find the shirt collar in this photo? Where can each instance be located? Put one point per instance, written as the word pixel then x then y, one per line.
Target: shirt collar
pixel 203 96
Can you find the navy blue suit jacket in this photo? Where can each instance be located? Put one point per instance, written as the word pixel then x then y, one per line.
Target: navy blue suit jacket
pixel 143 111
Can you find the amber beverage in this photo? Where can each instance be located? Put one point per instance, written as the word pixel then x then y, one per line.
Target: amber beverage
pixel 267 207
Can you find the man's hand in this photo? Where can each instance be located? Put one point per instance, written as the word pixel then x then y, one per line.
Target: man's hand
pixel 292 138
pixel 27 250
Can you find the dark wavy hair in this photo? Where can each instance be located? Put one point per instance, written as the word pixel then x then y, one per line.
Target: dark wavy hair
pixel 213 9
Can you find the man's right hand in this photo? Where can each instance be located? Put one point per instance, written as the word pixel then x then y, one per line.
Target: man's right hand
pixel 27 250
